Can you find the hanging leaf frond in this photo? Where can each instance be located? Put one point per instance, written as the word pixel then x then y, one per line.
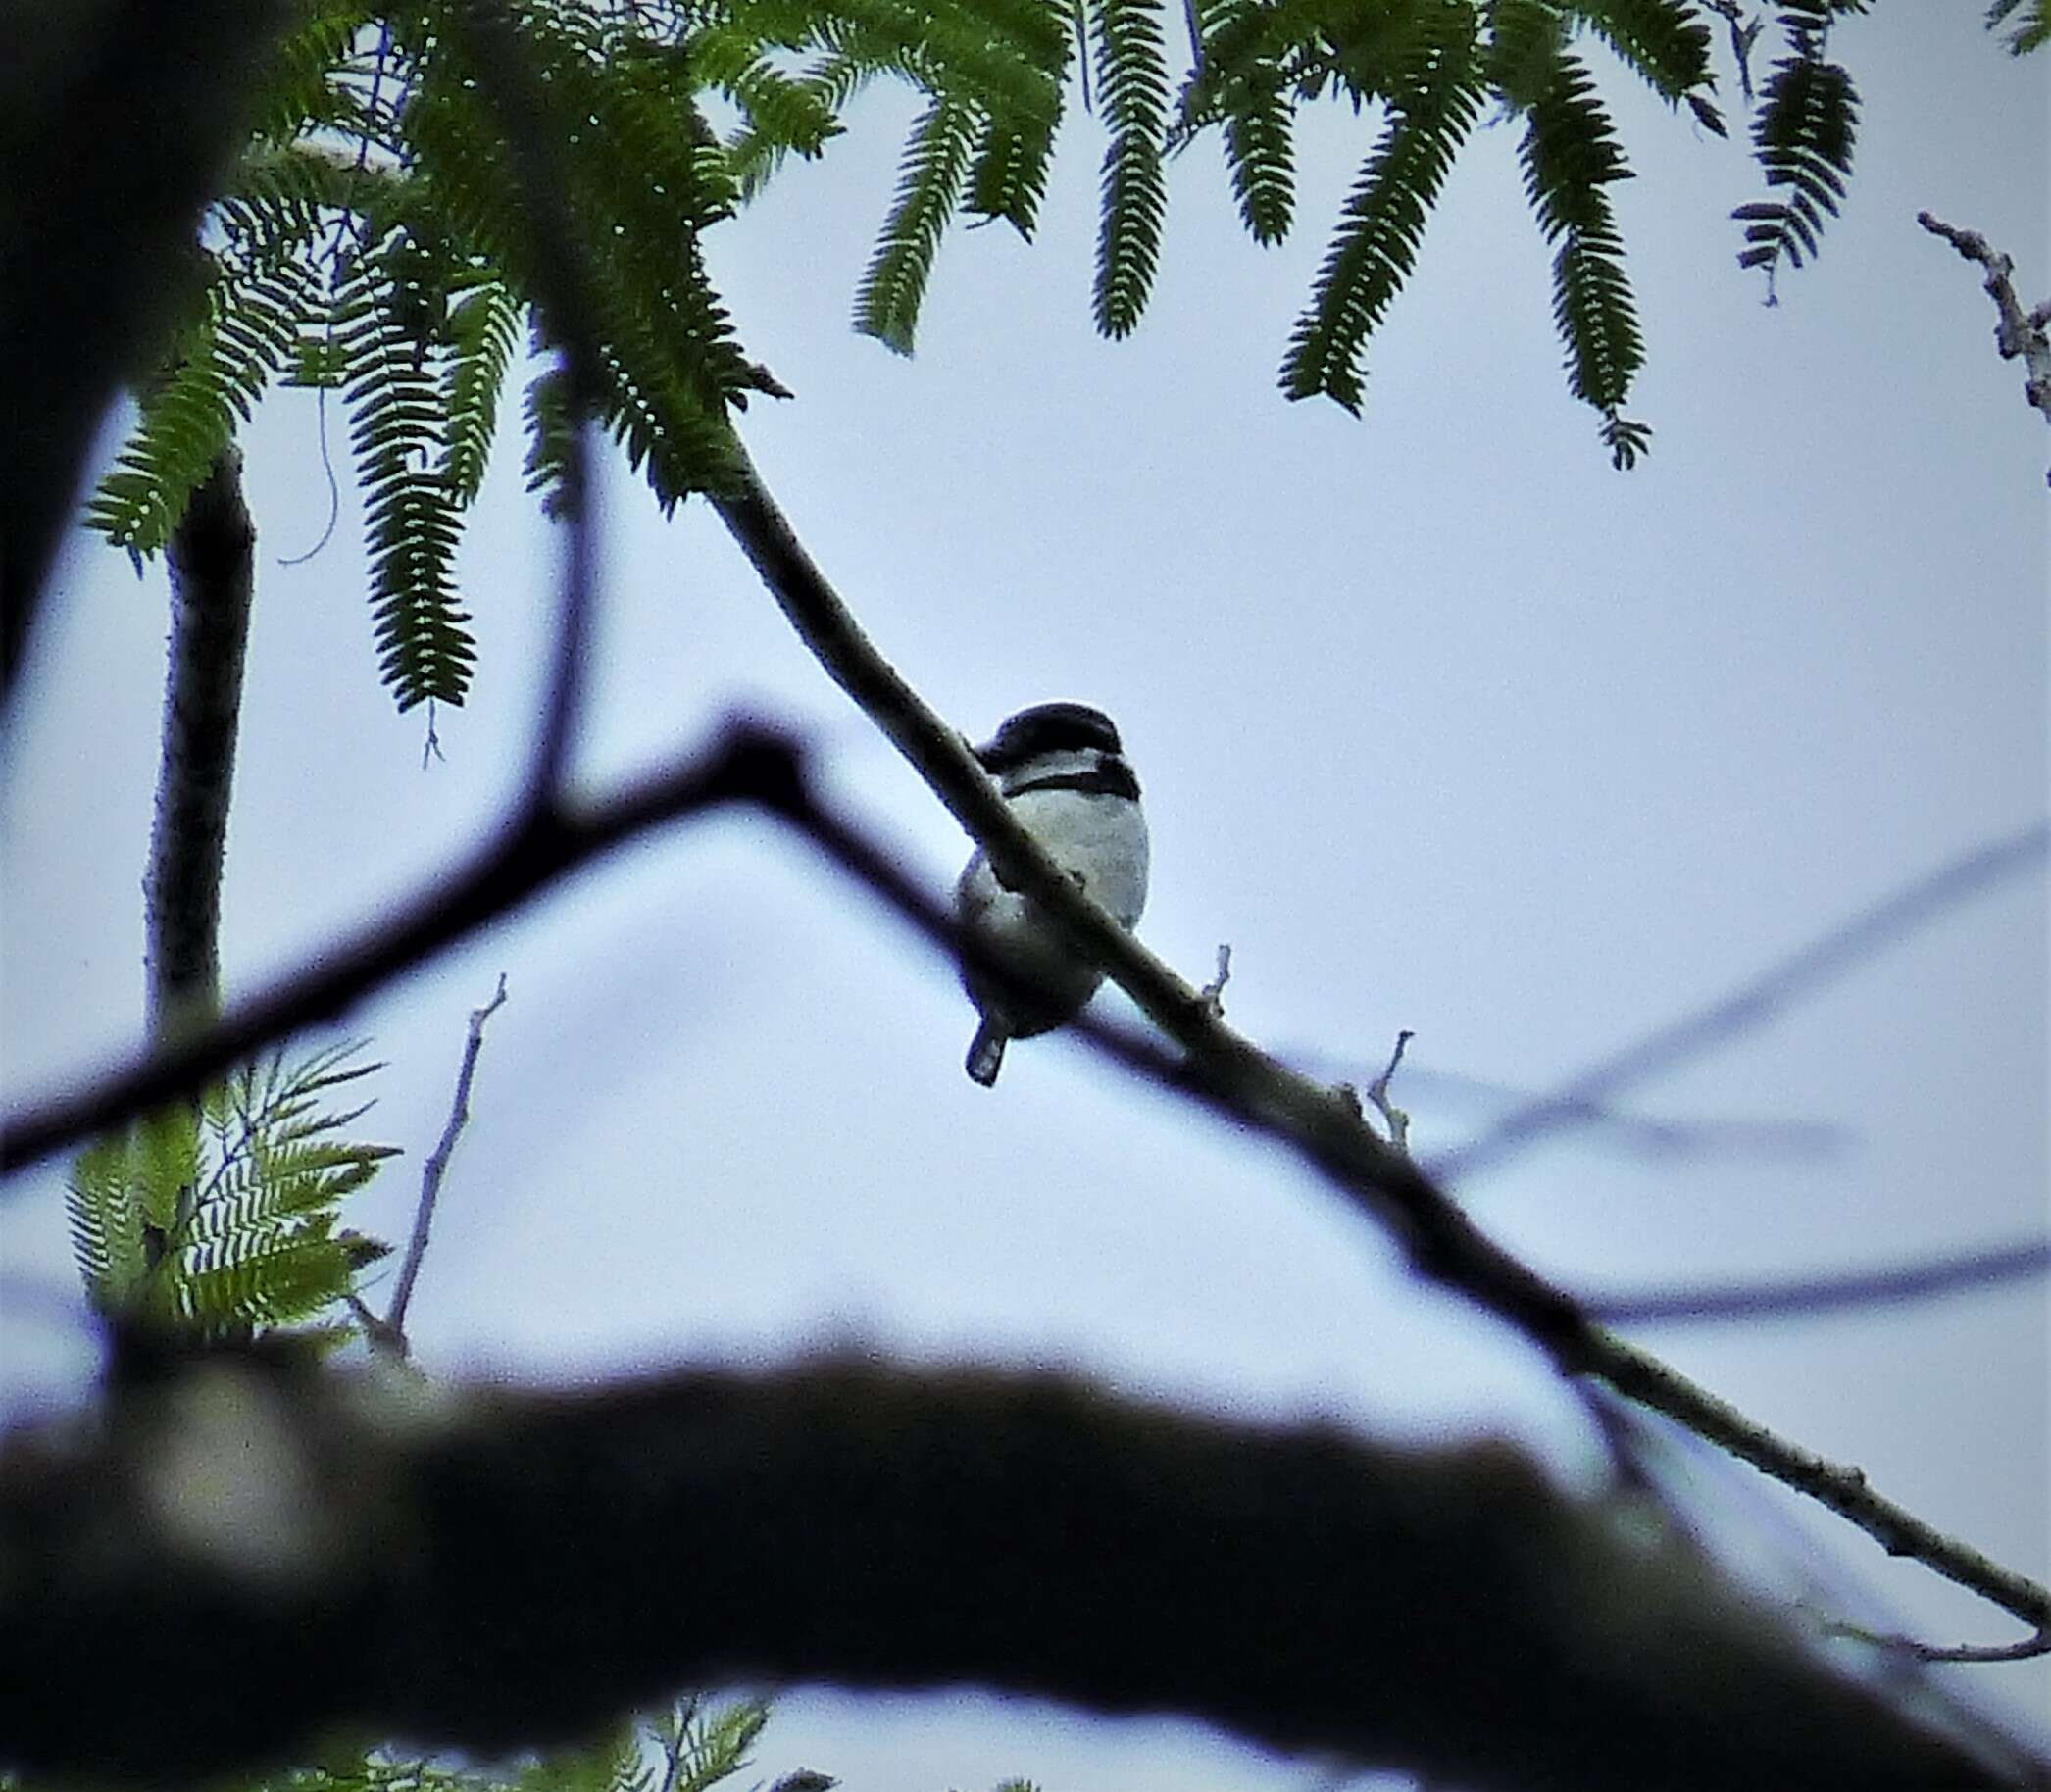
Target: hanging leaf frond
pixel 1132 89
pixel 246 334
pixel 387 322
pixel 928 188
pixel 1375 244
pixel 1665 41
pixel 1802 137
pixel 1571 157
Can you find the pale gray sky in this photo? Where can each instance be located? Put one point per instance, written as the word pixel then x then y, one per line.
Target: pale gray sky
pixel 1443 724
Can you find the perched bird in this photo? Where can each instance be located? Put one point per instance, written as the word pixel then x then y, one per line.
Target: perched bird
pixel 1063 771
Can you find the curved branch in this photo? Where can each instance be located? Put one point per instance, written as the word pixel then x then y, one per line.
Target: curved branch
pixel 253 1555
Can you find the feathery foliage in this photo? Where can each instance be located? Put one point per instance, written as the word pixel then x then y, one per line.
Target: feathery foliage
pixel 1802 137
pixel 1131 70
pixel 2030 32
pixel 1665 41
pixel 928 190
pixel 1571 155
pixel 222 1217
pixel 378 236
pixel 1433 95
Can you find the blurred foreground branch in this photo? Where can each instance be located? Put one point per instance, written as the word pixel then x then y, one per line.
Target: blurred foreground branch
pixel 116 120
pixel 753 766
pixel 253 1555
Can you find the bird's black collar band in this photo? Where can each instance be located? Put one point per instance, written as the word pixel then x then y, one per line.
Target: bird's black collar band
pixel 1110 777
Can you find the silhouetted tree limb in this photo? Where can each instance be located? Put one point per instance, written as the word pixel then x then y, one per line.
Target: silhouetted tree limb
pixel 242 1556
pixel 751 764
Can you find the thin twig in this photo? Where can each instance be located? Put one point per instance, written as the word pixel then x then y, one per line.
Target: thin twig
pixel 1392 1117
pixel 2024 1650
pixel 1819 1294
pixel 392 1331
pixel 1213 992
pixel 1821 962
pixel 1843 1488
pixel 535 850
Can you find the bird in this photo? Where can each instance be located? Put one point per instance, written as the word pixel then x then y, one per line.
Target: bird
pixel 1062 769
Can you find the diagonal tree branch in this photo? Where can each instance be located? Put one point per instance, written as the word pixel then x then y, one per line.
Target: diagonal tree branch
pixel 1225 1073
pixel 1324 1124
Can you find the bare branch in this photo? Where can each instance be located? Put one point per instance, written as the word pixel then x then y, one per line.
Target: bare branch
pixel 473 1569
pixel 1843 1488
pixel 1223 1072
pixel 1977 1653
pixel 390 1331
pixel 1817 1294
pixel 1325 1126
pixel 534 852
pixel 213 565
pixel 1821 962
pixel 2018 334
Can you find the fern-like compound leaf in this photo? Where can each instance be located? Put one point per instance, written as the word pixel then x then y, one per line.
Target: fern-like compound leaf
pixel 1664 41
pixel 222 1218
pixel 1375 244
pixel 1803 137
pixel 1133 89
pixel 1571 158
pixel 483 330
pixel 2031 32
pixel 929 188
pixel 387 322
pixel 246 334
pixel 1259 152
pixel 1525 42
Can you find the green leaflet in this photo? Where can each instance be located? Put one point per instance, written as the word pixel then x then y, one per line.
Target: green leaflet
pixel 1132 68
pixel 1803 134
pixel 1571 156
pixel 222 1217
pixel 1432 106
pixel 928 189
pixel 2032 33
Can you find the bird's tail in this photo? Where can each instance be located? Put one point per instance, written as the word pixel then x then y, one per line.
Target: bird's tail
pixel 986 1052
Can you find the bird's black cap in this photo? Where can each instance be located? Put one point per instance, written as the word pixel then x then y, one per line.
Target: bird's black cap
pixel 1048 728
